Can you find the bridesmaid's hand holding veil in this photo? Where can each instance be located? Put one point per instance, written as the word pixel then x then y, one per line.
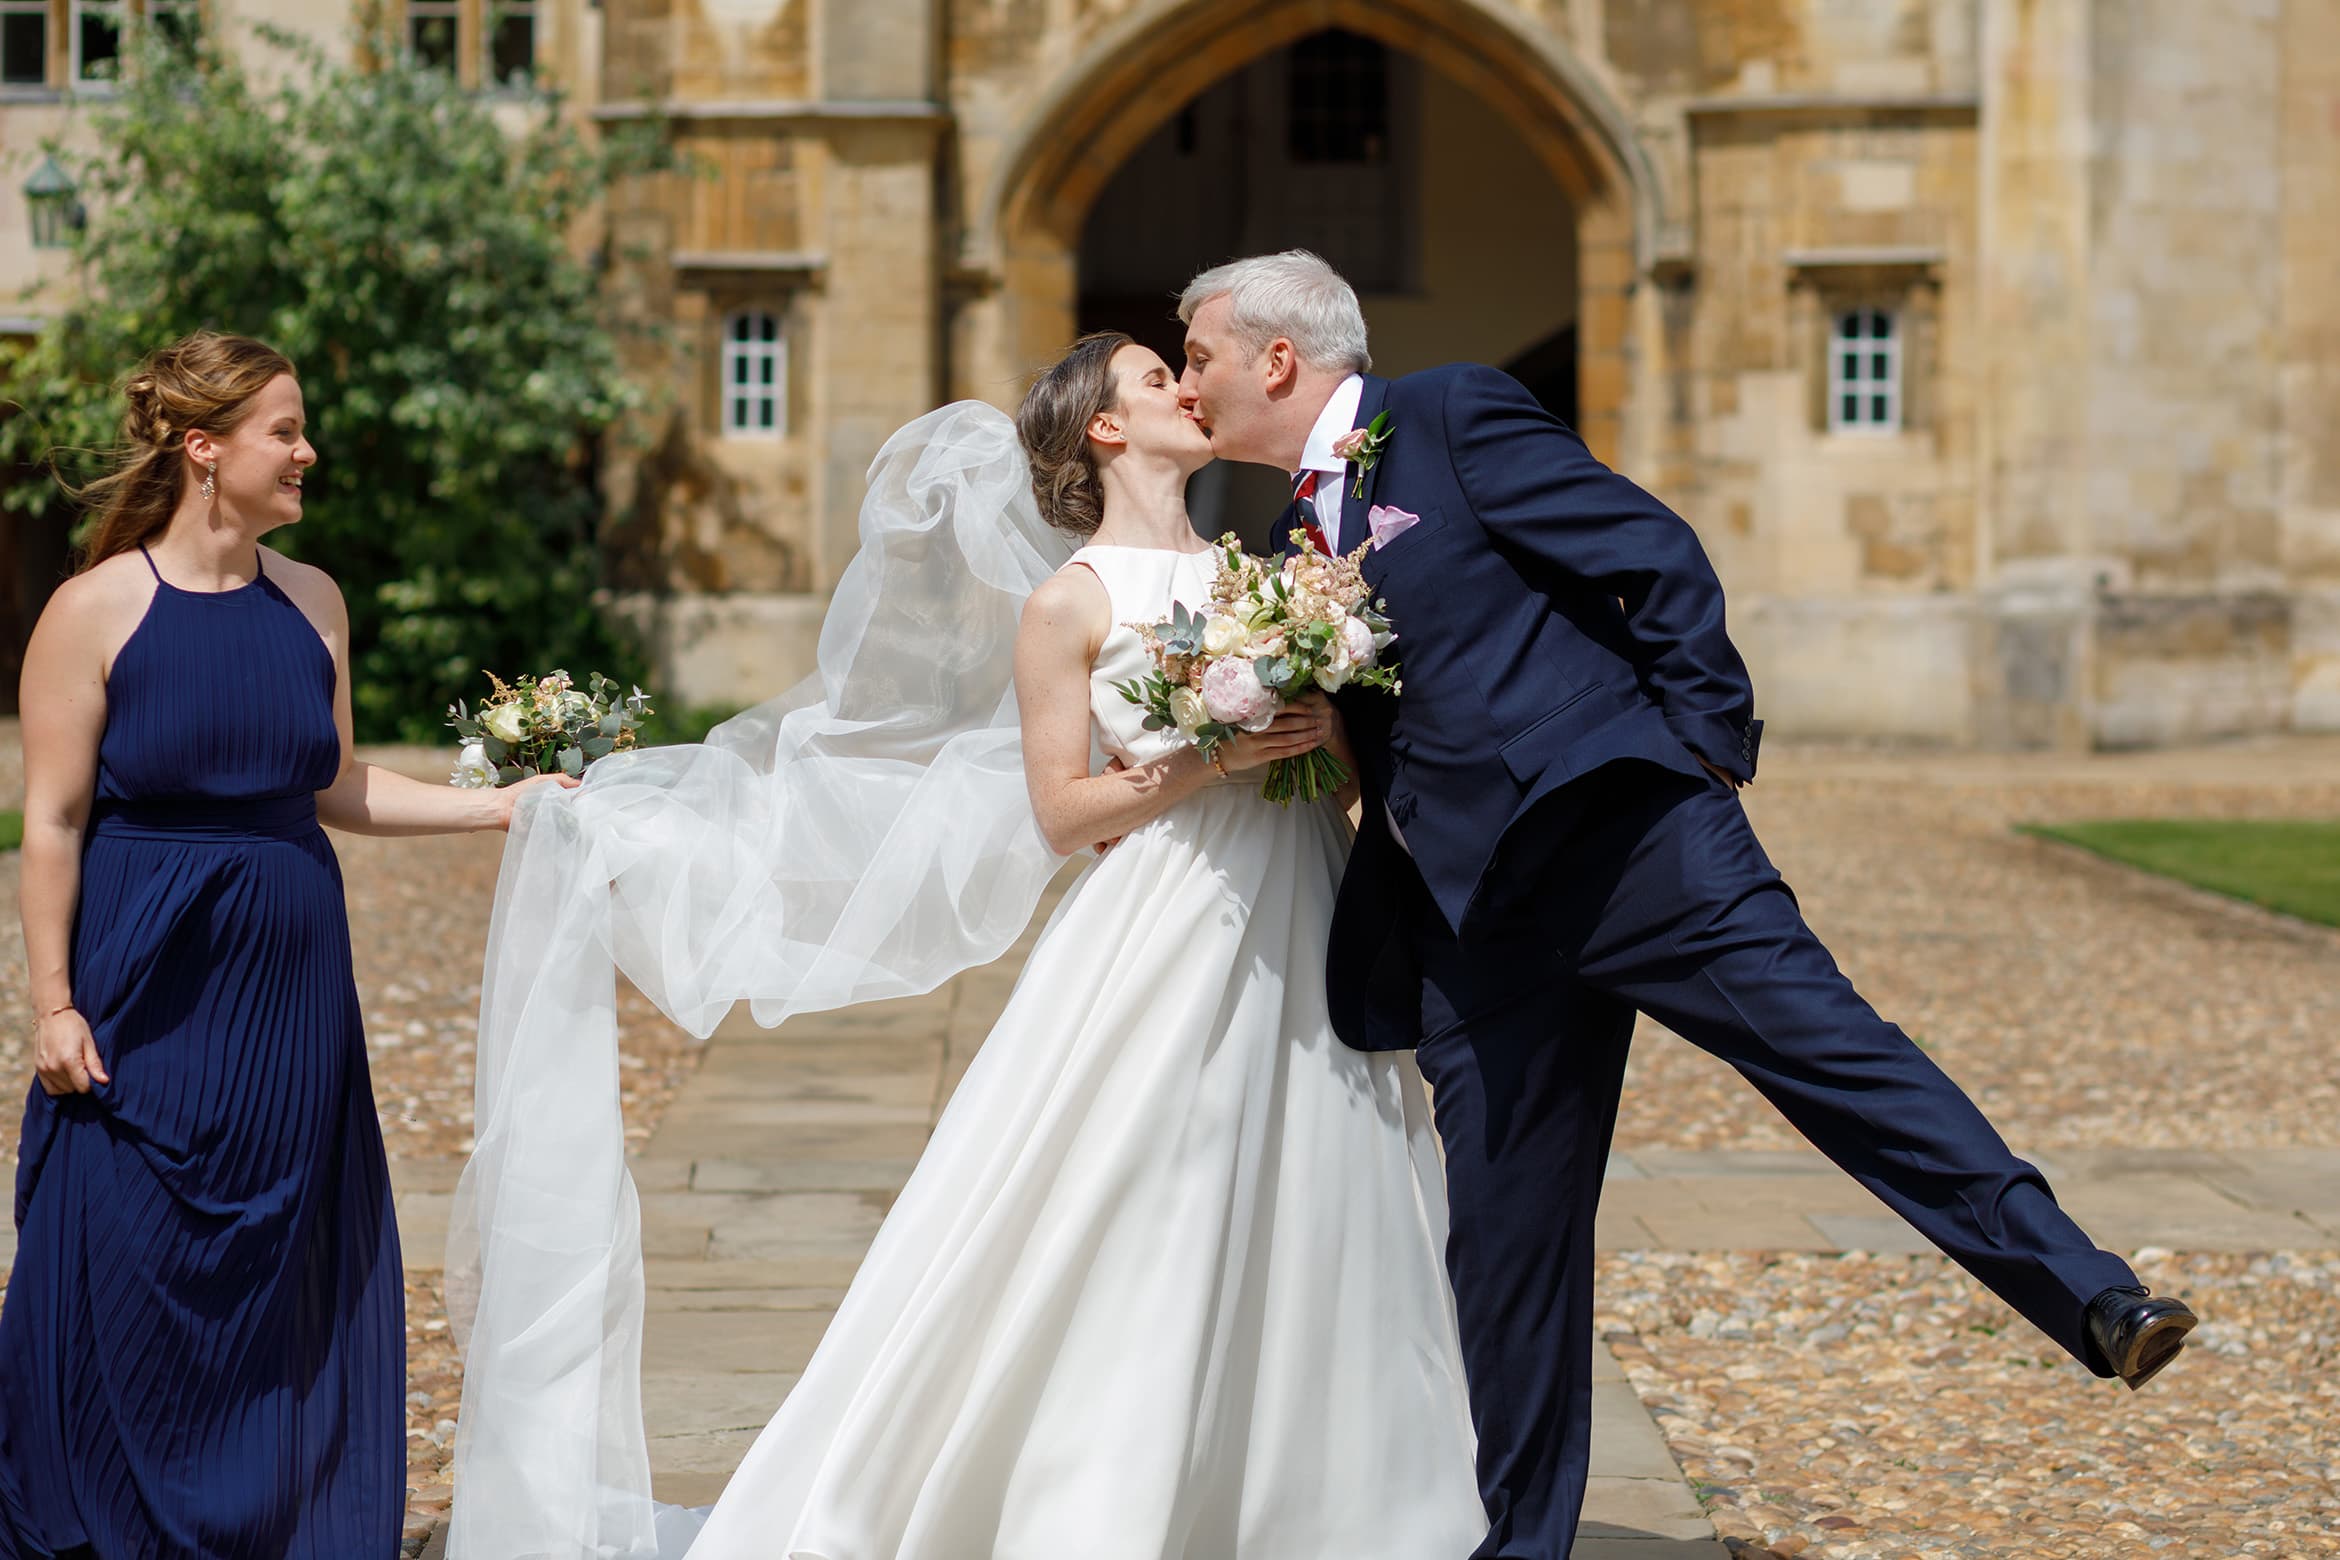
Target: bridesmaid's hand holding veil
pixel 506 798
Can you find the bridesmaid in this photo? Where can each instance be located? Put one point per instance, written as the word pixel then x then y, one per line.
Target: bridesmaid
pixel 203 1348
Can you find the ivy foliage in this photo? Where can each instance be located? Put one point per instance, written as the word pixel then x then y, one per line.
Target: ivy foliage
pixel 414 249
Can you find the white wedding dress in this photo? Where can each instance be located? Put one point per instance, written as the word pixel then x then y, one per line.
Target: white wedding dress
pixel 1167 1281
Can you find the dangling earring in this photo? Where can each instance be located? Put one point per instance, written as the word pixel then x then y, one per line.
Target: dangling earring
pixel 210 479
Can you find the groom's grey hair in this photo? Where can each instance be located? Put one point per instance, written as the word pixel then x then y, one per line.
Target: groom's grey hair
pixel 1294 295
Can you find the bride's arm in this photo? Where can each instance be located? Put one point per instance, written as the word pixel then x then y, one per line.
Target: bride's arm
pixel 1064 623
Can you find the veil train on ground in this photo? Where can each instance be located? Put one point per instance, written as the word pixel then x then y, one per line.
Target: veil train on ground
pixel 865 835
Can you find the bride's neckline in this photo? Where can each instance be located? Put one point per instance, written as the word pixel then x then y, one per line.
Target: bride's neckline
pixel 1175 552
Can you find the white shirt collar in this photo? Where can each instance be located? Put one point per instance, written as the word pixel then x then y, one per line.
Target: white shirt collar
pixel 1338 417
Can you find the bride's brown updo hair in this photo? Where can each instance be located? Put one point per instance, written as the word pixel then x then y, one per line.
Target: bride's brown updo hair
pixel 1053 422
pixel 204 381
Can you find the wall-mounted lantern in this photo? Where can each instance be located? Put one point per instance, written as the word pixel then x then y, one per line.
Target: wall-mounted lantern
pixel 55 203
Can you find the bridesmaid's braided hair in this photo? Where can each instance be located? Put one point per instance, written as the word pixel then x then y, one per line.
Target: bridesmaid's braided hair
pixel 205 381
pixel 1053 422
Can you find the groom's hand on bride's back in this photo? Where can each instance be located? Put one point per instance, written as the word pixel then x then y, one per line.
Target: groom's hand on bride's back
pixel 1728 779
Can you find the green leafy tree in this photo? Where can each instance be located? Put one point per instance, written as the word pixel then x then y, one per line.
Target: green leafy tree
pixel 420 263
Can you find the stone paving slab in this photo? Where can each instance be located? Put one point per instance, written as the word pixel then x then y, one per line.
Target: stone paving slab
pixel 1783 1200
pixel 770 1176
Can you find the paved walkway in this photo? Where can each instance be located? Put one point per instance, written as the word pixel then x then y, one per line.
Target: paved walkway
pixel 767 1180
pixel 764 1185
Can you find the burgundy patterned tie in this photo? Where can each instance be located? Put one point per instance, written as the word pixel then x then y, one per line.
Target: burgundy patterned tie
pixel 1302 492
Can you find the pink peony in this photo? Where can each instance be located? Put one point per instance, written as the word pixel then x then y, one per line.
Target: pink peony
pixel 1235 696
pixel 1357 640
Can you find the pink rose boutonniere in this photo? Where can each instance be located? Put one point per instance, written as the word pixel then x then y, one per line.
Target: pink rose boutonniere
pixel 1362 447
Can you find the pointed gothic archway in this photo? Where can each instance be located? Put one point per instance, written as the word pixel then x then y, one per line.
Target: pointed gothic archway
pixel 1026 226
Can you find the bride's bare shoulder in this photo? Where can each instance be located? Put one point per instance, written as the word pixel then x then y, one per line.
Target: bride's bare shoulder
pixel 1072 604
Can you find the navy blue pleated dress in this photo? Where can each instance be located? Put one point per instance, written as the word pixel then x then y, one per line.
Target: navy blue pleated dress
pixel 203 1348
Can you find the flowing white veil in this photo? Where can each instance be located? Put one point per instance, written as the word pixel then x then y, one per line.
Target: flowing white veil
pixel 865 835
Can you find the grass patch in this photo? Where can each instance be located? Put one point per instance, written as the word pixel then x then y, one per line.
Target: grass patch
pixel 11 830
pixel 688 723
pixel 2291 865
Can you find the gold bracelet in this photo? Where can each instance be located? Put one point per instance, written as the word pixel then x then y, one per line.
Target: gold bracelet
pixel 53 1012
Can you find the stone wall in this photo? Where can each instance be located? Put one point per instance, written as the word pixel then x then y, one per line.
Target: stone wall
pixel 2111 514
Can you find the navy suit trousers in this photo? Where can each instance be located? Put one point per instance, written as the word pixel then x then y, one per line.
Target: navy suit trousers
pixel 1648 891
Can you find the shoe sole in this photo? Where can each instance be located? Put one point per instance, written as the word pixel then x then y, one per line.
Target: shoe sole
pixel 2156 1346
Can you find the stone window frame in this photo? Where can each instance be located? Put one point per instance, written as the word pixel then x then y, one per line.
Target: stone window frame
pixel 1906 284
pixel 500 15
pixel 1868 398
pixel 731 351
pixel 41 11
pixel 477 23
pixel 77 74
pixel 61 65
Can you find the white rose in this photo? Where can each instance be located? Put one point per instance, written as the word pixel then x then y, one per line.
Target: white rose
pixel 1223 636
pixel 504 723
pixel 473 772
pixel 1340 661
pixel 1188 711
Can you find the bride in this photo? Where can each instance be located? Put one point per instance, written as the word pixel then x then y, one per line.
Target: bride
pixel 1167 1281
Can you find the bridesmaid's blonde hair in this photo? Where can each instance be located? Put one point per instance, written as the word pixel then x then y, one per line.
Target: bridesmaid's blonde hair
pixel 204 381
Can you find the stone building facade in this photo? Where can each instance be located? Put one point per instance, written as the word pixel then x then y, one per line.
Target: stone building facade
pixel 58 62
pixel 1992 346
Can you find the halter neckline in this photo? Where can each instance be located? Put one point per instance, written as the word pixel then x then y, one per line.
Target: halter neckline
pixel 259 573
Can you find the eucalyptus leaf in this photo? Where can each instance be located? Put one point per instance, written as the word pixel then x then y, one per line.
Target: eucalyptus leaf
pixel 571 761
pixel 598 747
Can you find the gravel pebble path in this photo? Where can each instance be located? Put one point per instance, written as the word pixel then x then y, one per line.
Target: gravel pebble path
pixel 418 915
pixel 1833 1407
pixel 2084 1005
pixel 1844 1408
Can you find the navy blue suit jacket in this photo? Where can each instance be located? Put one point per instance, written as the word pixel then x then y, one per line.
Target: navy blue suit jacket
pixel 1552 618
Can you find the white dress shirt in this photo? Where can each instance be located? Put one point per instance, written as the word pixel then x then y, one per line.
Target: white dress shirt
pixel 1332 472
pixel 1337 418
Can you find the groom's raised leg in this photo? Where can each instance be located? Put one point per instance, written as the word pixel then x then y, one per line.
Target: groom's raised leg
pixel 1524 1073
pixel 1700 933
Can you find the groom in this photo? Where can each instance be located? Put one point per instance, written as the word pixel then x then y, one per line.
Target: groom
pixel 1552 841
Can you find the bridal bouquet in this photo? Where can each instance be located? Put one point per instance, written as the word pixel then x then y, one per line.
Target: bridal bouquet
pixel 1272 632
pixel 540 725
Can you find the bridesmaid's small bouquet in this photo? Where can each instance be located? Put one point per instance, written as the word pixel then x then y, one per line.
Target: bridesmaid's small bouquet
pixel 542 725
pixel 1273 631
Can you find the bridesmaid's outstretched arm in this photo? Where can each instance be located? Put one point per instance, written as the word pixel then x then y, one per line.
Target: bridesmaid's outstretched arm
pixel 366 798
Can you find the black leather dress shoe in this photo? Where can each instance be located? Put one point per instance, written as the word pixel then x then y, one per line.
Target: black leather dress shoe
pixel 2134 1334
